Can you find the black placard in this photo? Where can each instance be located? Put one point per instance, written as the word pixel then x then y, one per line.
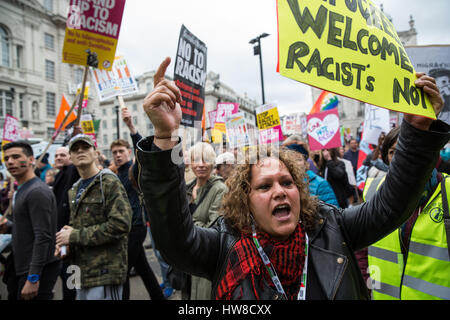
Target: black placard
pixel 190 76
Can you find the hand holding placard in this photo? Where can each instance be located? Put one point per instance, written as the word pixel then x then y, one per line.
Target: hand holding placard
pixel 429 86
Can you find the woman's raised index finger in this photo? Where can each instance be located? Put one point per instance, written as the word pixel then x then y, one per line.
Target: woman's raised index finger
pixel 160 73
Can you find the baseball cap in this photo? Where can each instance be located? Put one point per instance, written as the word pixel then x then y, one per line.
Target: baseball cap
pixel 225 158
pixel 81 137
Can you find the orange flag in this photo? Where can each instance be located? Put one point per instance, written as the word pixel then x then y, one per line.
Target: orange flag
pixel 63 109
pixel 204 119
pixel 204 135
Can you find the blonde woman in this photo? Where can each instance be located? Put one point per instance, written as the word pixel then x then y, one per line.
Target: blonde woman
pixel 204 194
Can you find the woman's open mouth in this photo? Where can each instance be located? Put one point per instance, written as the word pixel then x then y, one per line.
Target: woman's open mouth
pixel 282 212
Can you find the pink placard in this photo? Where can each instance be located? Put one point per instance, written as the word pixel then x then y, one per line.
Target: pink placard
pixel 94 138
pixel 11 129
pixel 271 135
pixel 104 19
pixel 212 118
pixel 323 130
pixel 225 110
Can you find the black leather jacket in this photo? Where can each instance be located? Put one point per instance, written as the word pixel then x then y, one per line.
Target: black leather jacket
pixel 333 271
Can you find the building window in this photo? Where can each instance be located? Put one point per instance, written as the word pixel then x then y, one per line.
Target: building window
pixel 21 111
pixel 135 121
pixel 50 132
pixel 48 4
pixel 105 139
pixel 104 112
pixel 134 107
pixel 51 106
pixel 49 41
pixel 4 53
pixel 114 124
pixel 124 136
pixel 6 105
pixel 35 110
pixel 49 70
pixel 361 110
pixel 19 53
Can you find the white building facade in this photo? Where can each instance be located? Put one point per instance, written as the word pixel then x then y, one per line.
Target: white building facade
pixel 32 75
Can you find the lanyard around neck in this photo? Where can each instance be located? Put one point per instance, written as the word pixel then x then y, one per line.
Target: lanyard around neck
pixel 273 274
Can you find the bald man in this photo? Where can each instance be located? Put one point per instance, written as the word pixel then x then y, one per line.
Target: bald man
pixel 64 180
pixel 62 158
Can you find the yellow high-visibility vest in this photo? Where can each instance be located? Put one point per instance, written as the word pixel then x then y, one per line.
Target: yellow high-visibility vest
pixel 424 272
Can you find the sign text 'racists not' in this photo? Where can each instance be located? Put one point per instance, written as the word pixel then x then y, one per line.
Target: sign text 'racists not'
pixel 351 48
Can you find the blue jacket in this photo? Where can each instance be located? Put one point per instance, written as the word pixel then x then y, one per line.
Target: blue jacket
pixel 43 171
pixel 320 187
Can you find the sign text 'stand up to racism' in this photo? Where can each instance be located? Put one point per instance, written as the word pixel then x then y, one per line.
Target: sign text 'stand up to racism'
pixel 93 25
pixel 190 76
pixel 350 48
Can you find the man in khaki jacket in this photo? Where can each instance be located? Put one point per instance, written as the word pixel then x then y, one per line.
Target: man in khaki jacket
pixel 100 220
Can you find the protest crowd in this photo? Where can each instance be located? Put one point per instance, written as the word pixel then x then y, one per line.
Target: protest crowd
pixel 96 209
pixel 280 219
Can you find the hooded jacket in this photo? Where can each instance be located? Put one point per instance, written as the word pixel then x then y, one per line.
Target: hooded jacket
pixel 101 220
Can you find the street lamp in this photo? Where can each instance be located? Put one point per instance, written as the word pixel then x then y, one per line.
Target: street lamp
pixel 257 51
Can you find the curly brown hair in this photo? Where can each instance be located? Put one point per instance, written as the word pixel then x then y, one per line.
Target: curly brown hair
pixel 235 203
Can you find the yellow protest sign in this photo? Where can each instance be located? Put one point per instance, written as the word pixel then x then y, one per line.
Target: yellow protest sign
pixel 92 32
pixel 86 91
pixel 87 124
pixel 218 132
pixel 3 154
pixel 267 117
pixel 350 48
pixel 269 125
pixel 85 96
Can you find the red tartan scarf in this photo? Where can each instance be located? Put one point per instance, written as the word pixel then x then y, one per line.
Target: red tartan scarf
pixel 287 257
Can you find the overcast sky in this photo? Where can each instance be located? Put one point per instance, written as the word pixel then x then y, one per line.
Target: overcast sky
pixel 150 31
